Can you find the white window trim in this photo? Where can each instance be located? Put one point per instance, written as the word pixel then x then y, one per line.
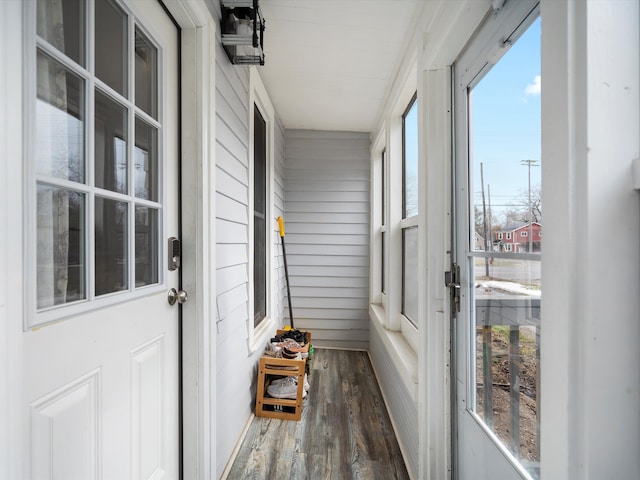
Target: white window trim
pixel 398 334
pixel 377 227
pixel 266 328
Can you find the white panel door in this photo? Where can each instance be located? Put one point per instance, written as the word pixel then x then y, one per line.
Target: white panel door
pixel 497 248
pixel 101 374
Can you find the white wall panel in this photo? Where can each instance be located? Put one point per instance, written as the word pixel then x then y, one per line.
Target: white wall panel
pixel 327 234
pixel 402 408
pixel 236 145
pixel 231 255
pixel 231 186
pixel 336 229
pixel 230 209
pixel 230 232
pixel 337 186
pixel 236 356
pixel 230 277
pixel 233 167
pixel 230 300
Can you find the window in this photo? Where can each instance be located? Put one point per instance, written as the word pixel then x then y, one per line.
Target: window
pixel 524 233
pixel 264 298
pixel 259 217
pixel 410 211
pixel 96 162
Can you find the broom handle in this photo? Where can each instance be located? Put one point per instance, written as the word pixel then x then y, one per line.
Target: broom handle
pixel 286 268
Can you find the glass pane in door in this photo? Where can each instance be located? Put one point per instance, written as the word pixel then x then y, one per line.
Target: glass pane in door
pixel 111 259
pixel 62 24
pixel 61 266
pixel 60 115
pixel 504 248
pixel 146 56
pixel 146 246
pixel 146 161
pixel 111 45
pixel 110 162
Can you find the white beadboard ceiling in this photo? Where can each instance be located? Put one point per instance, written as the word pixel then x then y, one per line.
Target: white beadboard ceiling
pixel 329 63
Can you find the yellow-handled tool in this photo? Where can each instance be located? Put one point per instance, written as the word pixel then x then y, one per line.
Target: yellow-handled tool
pixel 286 268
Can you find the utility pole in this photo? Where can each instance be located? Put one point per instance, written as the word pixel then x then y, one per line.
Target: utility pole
pixel 484 221
pixel 529 164
pixel 490 216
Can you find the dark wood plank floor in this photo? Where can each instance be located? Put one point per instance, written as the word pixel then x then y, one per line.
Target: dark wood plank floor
pixel 345 431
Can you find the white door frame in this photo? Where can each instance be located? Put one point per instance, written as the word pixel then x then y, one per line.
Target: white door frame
pixel 198 37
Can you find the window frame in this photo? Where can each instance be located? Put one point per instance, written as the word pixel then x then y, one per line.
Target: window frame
pixel 383 222
pixel 37 317
pixel 259 98
pixel 411 222
pixel 379 221
pixel 258 315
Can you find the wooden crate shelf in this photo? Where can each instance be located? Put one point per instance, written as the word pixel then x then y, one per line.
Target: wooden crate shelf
pixel 283 408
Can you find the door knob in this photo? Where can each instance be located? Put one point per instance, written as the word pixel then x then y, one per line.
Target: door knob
pixel 177 296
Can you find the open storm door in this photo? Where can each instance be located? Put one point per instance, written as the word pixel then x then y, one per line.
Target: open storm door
pixel 497 244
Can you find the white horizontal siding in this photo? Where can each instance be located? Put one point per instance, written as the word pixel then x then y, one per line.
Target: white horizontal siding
pixel 235 366
pixel 232 197
pixel 279 194
pixel 327 235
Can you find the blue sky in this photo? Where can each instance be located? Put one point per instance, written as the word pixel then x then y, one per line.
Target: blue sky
pixel 506 122
pixel 506 128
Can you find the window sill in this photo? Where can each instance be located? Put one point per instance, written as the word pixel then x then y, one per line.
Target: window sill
pixel 265 330
pixel 402 355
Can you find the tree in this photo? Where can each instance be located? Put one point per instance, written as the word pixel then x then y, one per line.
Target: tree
pixel 478 221
pixel 519 212
pixel 536 203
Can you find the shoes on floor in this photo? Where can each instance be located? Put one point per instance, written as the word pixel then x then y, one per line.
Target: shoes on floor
pixel 286 387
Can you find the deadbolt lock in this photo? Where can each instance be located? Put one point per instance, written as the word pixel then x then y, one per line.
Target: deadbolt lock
pixel 175 253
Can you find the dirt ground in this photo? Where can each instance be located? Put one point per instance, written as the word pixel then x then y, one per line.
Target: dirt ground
pixel 501 390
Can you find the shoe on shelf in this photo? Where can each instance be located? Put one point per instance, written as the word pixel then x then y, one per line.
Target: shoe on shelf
pixel 306 384
pixel 286 387
pixel 291 355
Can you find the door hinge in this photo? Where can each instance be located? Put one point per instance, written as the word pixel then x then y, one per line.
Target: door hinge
pixel 452 280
